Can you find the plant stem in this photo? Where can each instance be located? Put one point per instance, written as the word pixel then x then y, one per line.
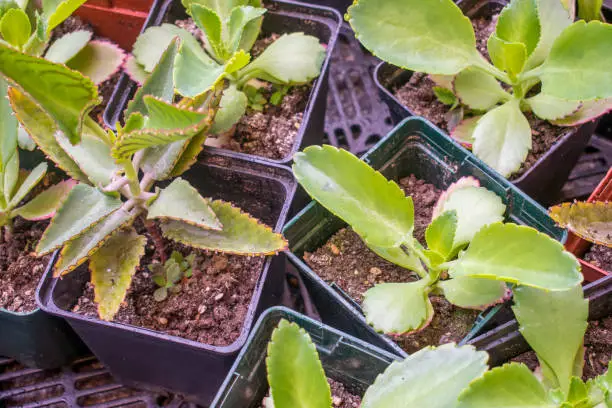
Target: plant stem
pixel 158 240
pixel 8 232
pixel 132 176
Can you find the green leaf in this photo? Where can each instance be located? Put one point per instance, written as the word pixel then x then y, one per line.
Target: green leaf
pixel 159 84
pixel 135 71
pixel 440 234
pixel 180 201
pixel 151 44
pixel 502 138
pixel 474 293
pixel 554 18
pixel 8 128
pixel 209 22
pixel 10 177
pixel 28 184
pixel 68 46
pixel 376 208
pixel 399 257
pixel 45 204
pixel 79 249
pixel 509 386
pixel 479 90
pixel 160 294
pixel 99 60
pixel 292 59
pixel 589 10
pixel 231 108
pixel 241 233
pixel 112 267
pixel 519 23
pixel 42 130
pixel 588 111
pixel 577 392
pixel 553 323
pixel 444 95
pixel 431 377
pixel 424 36
pixel 240 21
pixel 15 27
pixel 298 380
pixel 551 108
pixel 591 221
pixel 398 308
pixel 506 55
pixel 56 11
pixel 24 141
pixel 84 206
pixel 577 67
pixel 65 95
pixel 518 254
pixel 464 131
pixel 475 207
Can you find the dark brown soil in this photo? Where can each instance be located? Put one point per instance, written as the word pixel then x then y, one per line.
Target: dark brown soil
pixel 600 256
pixel 598 344
pixel 417 94
pixel 341 397
pixel 348 262
pixel 210 307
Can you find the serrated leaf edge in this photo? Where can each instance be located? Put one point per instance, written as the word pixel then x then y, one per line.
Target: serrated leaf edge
pixel 117 49
pixel 463 182
pixel 554 214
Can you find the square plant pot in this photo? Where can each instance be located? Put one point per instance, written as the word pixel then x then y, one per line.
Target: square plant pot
pixel 414 147
pixel 544 180
pixel 283 16
pixel 345 359
pixel 144 358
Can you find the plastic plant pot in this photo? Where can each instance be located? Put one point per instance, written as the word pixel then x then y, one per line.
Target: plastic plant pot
pixel 283 16
pixel 544 180
pixel 350 361
pixel 144 358
pixel 416 147
pixel 579 246
pixel 506 342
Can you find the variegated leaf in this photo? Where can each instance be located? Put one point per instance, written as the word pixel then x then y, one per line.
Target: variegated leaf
pixel 45 204
pixel 591 221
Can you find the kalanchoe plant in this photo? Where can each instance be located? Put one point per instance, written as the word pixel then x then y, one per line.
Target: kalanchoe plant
pixel 588 10
pixel 542 63
pixel 590 221
pixel 229 30
pixel 470 255
pixel 168 274
pixel 159 141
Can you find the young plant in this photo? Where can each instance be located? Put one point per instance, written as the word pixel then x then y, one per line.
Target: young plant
pixel 168 274
pixel 588 10
pixel 229 30
pixel 117 172
pixel 542 63
pixel 590 221
pixel 470 256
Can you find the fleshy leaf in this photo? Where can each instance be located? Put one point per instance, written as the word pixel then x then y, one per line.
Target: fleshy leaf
pixel 399 257
pixel 9 179
pixel 65 95
pixel 56 11
pixel 575 68
pixel 478 89
pixel 292 59
pixel 508 56
pixel 240 20
pixel 408 383
pixel 588 111
pixel 463 182
pixel 210 24
pixel 150 45
pixel 112 267
pixel 8 128
pixel 591 221
pixel 554 18
pixel 502 138
pixel 24 140
pixel 440 234
pixel 589 10
pixel 464 131
pixel 474 293
pixel 84 206
pixel 99 60
pixel 231 108
pixel 433 37
pixel 241 233
pixel 518 254
pixel 298 381
pixel 77 250
pixel 553 323
pixel 67 46
pixel 551 108
pixel 15 27
pixel 135 71
pixel 519 23
pixel 375 207
pixel 45 204
pixel 28 184
pixel 509 386
pixel 398 308
pixel 180 201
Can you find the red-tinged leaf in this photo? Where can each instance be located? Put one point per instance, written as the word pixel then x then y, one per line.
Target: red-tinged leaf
pixel 464 130
pixel 591 221
pixel 44 205
pixel 99 60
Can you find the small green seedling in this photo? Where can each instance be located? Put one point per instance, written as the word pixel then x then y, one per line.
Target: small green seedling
pixel 171 272
pixel 590 221
pixel 230 30
pixel 470 256
pixel 117 172
pixel 543 63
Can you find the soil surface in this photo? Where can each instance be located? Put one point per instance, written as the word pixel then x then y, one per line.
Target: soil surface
pixel 210 308
pixel 341 397
pixel 270 132
pixel 348 262
pixel 600 256
pixel 417 94
pixel 598 344
pixel 105 89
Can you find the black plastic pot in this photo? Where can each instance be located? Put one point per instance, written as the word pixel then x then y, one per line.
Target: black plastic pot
pixel 147 359
pixel 544 180
pixel 283 16
pixel 413 147
pixel 348 360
